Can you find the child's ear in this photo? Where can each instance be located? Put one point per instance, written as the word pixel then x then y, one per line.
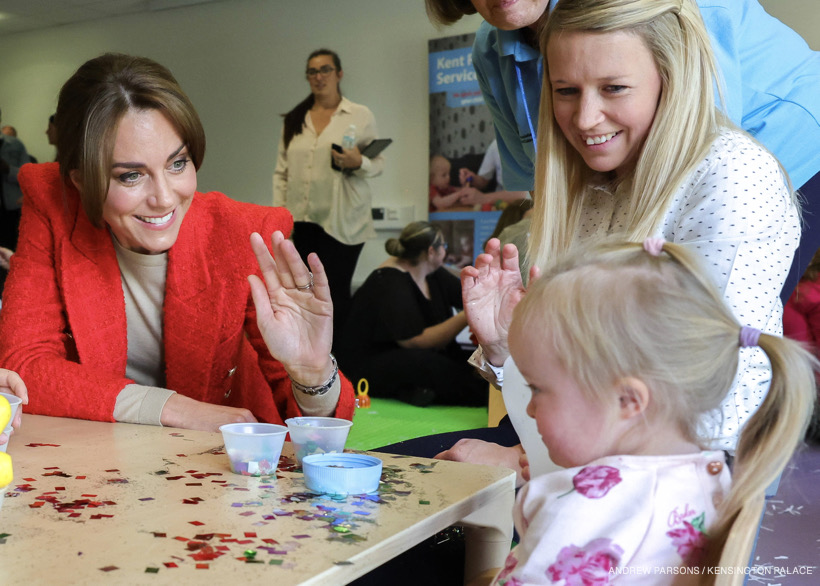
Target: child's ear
pixel 633 396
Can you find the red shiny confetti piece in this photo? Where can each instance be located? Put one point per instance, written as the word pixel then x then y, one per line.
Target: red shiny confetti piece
pixel 197 523
pixel 109 568
pixel 182 455
pixel 250 534
pixel 202 566
pixel 89 495
pixel 245 541
pixel 73 515
pixel 193 484
pixel 42 445
pixel 204 536
pixel 195 545
pixel 80 477
pixel 170 565
pixel 271 541
pixel 190 471
pixel 174 477
pixel 35 480
pixel 36 505
pixel 59 488
pixel 176 434
pixel 101 516
pixel 113 470
pixel 190 502
pixel 52 468
pixel 180 538
pixel 158 534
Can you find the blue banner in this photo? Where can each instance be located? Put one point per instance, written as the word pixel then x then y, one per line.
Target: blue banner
pixel 452 72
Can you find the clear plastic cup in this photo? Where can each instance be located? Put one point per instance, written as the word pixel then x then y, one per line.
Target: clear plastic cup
pixel 317 435
pixel 14 402
pixel 254 448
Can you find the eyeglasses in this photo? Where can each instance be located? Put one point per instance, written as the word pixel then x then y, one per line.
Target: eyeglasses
pixel 324 70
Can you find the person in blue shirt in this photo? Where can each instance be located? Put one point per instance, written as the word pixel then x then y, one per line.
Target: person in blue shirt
pixel 770 88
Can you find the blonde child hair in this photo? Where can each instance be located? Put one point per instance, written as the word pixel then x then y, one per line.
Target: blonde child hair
pixel 685 125
pixel 614 310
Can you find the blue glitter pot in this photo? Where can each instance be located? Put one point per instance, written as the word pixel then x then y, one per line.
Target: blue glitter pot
pixel 342 473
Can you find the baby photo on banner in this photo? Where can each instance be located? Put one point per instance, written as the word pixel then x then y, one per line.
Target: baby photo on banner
pixel 465 172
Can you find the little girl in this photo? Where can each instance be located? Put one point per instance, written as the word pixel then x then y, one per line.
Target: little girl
pixel 627 351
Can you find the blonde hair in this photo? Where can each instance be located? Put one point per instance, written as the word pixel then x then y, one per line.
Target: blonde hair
pixel 612 310
pixel 685 125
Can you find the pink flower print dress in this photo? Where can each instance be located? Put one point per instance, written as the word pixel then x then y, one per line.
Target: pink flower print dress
pixel 621 519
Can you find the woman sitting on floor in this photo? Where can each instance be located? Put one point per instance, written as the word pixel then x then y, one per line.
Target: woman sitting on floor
pixel 400 334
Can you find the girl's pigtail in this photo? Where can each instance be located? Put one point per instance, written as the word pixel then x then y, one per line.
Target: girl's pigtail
pixel 771 435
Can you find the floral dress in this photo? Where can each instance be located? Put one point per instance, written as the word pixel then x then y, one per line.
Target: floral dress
pixel 628 519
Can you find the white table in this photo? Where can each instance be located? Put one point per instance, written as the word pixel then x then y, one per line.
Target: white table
pixel 116 503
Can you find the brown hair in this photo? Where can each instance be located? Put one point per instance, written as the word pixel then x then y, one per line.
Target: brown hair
pixel 92 103
pixel 448 11
pixel 414 241
pixel 295 119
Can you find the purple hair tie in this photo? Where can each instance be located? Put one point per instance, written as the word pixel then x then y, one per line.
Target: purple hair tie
pixel 749 337
pixel 653 246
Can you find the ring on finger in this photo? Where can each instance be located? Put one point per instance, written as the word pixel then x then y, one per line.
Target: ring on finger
pixel 309 285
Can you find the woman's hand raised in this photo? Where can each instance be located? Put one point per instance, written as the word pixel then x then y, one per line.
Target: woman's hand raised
pixel 293 310
pixel 491 289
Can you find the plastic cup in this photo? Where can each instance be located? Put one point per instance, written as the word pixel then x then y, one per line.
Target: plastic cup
pixel 317 435
pixel 253 448
pixel 15 403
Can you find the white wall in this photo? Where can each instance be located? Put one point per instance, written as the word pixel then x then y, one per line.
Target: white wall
pixel 242 63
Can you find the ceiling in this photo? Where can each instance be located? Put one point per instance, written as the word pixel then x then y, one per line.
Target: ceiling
pixel 18 16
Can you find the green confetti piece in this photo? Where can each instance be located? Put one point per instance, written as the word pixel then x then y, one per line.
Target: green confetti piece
pixel 421 502
pixel 276 562
pixel 152 570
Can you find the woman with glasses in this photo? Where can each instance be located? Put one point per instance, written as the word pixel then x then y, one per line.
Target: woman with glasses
pixel 400 333
pixel 327 190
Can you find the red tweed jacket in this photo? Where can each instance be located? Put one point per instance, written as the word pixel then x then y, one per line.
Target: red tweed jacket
pixel 63 325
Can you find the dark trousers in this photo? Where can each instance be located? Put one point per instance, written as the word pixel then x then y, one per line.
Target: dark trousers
pixel 339 260
pixel 809 239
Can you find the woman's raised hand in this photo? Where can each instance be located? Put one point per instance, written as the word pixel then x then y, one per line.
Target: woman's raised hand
pixel 491 289
pixel 294 311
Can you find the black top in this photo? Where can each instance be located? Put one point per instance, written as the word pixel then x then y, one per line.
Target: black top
pixel 389 307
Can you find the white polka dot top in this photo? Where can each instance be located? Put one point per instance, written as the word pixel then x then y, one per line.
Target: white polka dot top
pixel 736 211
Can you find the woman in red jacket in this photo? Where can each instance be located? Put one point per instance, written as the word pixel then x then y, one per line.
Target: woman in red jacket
pixel 129 296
